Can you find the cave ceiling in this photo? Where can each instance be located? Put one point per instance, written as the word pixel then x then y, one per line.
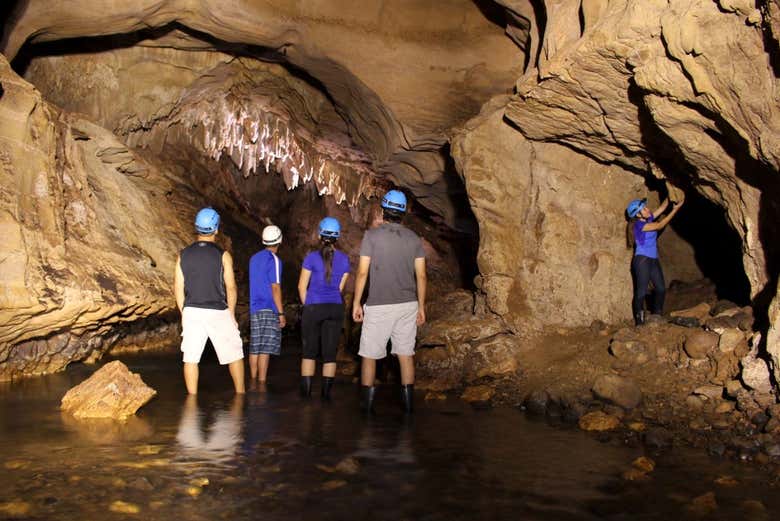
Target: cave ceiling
pixel 398 76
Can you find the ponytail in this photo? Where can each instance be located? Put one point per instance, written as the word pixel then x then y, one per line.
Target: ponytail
pixel 630 239
pixel 326 252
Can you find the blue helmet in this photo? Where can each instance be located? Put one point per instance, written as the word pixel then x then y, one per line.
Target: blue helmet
pixel 330 228
pixel 635 206
pixel 207 221
pixel 394 200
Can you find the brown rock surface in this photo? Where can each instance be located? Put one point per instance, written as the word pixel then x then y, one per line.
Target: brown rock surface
pixel 111 392
pixel 698 343
pixel 598 421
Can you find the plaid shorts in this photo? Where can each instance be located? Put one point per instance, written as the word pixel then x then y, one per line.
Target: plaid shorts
pixel 266 334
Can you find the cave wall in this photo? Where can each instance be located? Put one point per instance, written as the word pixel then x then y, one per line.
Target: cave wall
pixel 89 234
pixel 553 248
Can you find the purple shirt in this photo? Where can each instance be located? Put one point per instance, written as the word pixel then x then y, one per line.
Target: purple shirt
pixel 645 241
pixel 321 291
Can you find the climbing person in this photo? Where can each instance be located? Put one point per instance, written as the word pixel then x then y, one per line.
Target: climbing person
pixel 392 259
pixel 323 276
pixel 205 290
pixel 642 232
pixel 266 313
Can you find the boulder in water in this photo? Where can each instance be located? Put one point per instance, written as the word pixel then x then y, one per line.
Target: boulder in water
pixel 112 392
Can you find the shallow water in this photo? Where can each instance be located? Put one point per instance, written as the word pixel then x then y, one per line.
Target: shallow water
pixel 273 456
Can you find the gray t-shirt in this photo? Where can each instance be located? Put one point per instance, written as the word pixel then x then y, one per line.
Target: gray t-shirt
pixel 392 248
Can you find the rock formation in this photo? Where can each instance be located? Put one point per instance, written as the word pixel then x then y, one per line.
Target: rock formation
pixel 544 117
pixel 111 392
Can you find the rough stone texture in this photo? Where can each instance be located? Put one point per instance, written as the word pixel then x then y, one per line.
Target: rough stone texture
pixel 755 373
pixel 644 79
pixel 399 73
pixel 773 336
pixel 598 421
pixel 698 344
pixel 542 259
pixel 618 390
pixel 111 392
pixel 87 247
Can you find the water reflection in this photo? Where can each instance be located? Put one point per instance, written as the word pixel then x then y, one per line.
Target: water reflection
pixel 107 431
pixel 214 439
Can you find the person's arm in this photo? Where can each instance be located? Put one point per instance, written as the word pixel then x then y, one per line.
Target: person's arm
pixel 230 283
pixel 303 284
pixel 661 208
pixel 178 285
pixel 343 282
pixel 659 225
pixel 360 285
pixel 276 291
pixel 422 286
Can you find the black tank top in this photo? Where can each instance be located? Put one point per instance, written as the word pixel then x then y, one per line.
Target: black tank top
pixel 204 282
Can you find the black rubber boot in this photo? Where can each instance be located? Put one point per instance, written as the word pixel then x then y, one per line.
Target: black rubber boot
pixel 327 384
pixel 639 318
pixel 407 398
pixel 305 386
pixel 367 398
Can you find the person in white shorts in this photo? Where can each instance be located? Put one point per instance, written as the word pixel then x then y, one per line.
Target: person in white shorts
pixel 205 289
pixel 392 256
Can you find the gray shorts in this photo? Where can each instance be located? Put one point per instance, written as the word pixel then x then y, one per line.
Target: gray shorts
pixel 395 322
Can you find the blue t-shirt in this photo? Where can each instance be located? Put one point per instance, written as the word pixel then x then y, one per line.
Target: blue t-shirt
pixel 265 269
pixel 321 291
pixel 645 241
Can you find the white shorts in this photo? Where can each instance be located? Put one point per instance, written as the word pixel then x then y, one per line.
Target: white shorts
pixel 395 322
pixel 199 324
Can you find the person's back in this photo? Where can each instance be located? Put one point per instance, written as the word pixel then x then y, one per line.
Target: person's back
pixel 204 287
pixel 320 290
pixel 393 249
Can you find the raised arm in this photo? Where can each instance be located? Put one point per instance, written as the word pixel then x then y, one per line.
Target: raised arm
pixel 661 208
pixel 659 225
pixel 303 284
pixel 422 286
pixel 178 285
pixel 360 284
pixel 230 282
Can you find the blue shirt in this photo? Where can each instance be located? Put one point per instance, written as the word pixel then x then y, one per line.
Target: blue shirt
pixel 321 291
pixel 265 269
pixel 645 241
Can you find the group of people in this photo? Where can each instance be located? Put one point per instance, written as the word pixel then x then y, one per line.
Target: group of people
pixel 391 258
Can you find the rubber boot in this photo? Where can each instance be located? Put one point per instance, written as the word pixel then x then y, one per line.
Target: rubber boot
pixel 367 398
pixel 327 384
pixel 305 386
pixel 407 398
pixel 639 318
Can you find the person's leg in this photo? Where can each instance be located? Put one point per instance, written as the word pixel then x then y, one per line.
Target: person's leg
pixel 367 371
pixel 308 367
pixel 191 373
pixel 309 347
pixel 236 369
pixel 407 369
pixel 659 285
pixel 330 336
pixel 640 267
pixel 373 339
pixel 263 360
pixel 253 366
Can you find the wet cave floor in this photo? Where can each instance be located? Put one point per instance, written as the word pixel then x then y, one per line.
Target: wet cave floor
pixel 272 455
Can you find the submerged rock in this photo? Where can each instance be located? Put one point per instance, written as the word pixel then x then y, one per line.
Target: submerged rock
pixel 112 392
pixel 599 421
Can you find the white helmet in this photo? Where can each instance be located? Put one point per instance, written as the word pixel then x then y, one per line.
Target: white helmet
pixel 272 235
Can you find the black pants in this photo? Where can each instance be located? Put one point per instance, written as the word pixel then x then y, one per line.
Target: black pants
pixel 321 330
pixel 646 270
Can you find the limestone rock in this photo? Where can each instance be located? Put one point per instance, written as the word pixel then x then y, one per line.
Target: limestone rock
pixel 632 351
pixel 478 393
pixel 111 392
pixel 755 374
pixel 730 339
pixel 699 312
pixel 598 421
pixel 618 390
pixel 698 344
